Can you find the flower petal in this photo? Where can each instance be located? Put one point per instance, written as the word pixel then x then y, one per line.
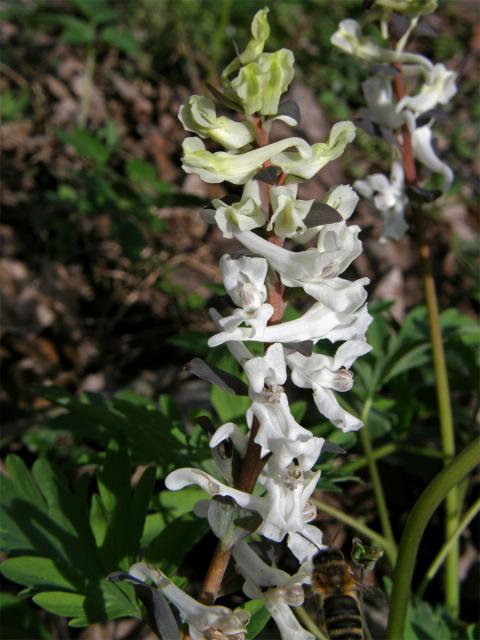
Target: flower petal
pixel 199 616
pixel 267 370
pixel 187 476
pixel 244 280
pixel 439 88
pixel 244 215
pixel 349 38
pixel 424 153
pixel 328 406
pixel 229 430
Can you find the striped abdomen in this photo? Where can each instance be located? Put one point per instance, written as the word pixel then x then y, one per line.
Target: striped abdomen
pixel 343 618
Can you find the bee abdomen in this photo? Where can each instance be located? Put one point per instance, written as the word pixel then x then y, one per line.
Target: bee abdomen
pixel 343 618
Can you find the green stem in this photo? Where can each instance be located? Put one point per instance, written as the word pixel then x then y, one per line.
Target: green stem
pixel 447 434
pixel 304 617
pixel 377 483
pixel 358 526
pixel 359 463
pixel 422 451
pixel 385 450
pixel 417 521
pixel 441 555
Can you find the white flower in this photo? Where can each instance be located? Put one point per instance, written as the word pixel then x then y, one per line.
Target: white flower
pixel 319 322
pixel 337 246
pixel 260 84
pixel 285 507
pixel 288 493
pixel 260 30
pixel 283 590
pixel 349 38
pixel 244 280
pixel 381 107
pixel 237 168
pixel 389 199
pixel 317 269
pixel 338 294
pixel 288 212
pixel 324 374
pixel 280 433
pixel 199 116
pixel 268 370
pixel 244 215
pixel 301 166
pixel 205 622
pixel 439 88
pixel 229 430
pixel 238 350
pixel 343 199
pixel 255 323
pixel 424 153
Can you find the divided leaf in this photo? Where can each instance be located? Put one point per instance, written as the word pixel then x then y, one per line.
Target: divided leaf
pixel 52 542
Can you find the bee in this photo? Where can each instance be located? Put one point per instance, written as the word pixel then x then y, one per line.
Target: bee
pixel 333 580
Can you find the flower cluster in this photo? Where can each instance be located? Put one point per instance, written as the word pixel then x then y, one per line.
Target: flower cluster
pixel 430 85
pixel 325 247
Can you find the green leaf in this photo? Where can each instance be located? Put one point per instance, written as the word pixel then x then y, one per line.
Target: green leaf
pixel 121 39
pixel 85 145
pixel 69 605
pixel 46 531
pixel 298 409
pixel 13 103
pixel 151 436
pixel 169 548
pixel 378 332
pixel 96 11
pixel 230 408
pixel 117 518
pixel 259 617
pixel 143 175
pixel 171 505
pixel 75 30
pixel 414 357
pixel 35 572
pixel 78 33
pixel 425 623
